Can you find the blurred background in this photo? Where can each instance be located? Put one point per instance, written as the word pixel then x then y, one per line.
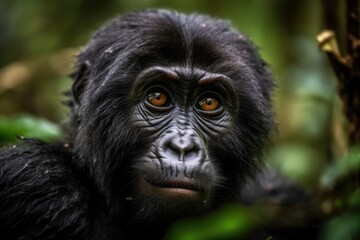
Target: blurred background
pixel 39 40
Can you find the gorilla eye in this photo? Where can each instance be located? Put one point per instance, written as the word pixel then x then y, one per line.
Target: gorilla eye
pixel 209 105
pixel 158 99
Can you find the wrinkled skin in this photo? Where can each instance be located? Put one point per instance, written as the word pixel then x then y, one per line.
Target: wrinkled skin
pixel 169 116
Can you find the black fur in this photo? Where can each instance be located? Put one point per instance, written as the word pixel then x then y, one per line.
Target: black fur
pixel 83 188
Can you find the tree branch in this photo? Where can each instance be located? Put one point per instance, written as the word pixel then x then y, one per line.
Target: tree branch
pixel 346 67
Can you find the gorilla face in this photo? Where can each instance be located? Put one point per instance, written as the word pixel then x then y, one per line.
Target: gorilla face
pixel 171 113
pixel 182 111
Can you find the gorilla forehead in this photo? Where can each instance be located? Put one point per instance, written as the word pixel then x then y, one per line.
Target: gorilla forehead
pixel 132 43
pixel 159 37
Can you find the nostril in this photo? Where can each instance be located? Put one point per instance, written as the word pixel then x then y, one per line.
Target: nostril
pixel 190 155
pixel 184 150
pixel 172 151
pixel 182 146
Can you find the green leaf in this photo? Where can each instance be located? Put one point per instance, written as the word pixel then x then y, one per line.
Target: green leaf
pixel 345 227
pixel 342 168
pixel 229 222
pixel 27 126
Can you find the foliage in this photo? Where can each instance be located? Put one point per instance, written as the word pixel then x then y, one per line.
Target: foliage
pixel 26 126
pixel 347 224
pixel 344 167
pixel 230 222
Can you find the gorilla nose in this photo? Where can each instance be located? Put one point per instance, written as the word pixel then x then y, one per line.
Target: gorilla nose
pixel 183 147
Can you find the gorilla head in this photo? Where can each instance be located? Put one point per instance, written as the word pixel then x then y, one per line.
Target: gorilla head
pixel 170 114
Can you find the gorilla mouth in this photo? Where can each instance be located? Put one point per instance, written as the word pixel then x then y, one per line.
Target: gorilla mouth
pixel 183 184
pixel 174 188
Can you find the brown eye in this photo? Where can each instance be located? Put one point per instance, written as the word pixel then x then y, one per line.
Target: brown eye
pixel 157 98
pixel 208 104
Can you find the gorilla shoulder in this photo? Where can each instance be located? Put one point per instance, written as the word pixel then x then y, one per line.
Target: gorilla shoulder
pixel 41 194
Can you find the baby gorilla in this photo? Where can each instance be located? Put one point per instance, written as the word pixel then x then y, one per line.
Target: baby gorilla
pixel 169 116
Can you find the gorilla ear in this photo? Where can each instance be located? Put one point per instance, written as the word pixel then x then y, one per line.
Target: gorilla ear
pixel 80 77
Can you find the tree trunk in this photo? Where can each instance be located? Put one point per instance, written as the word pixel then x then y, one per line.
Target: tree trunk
pixel 347 66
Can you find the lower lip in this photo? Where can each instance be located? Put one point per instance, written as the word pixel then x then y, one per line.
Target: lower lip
pixel 170 192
